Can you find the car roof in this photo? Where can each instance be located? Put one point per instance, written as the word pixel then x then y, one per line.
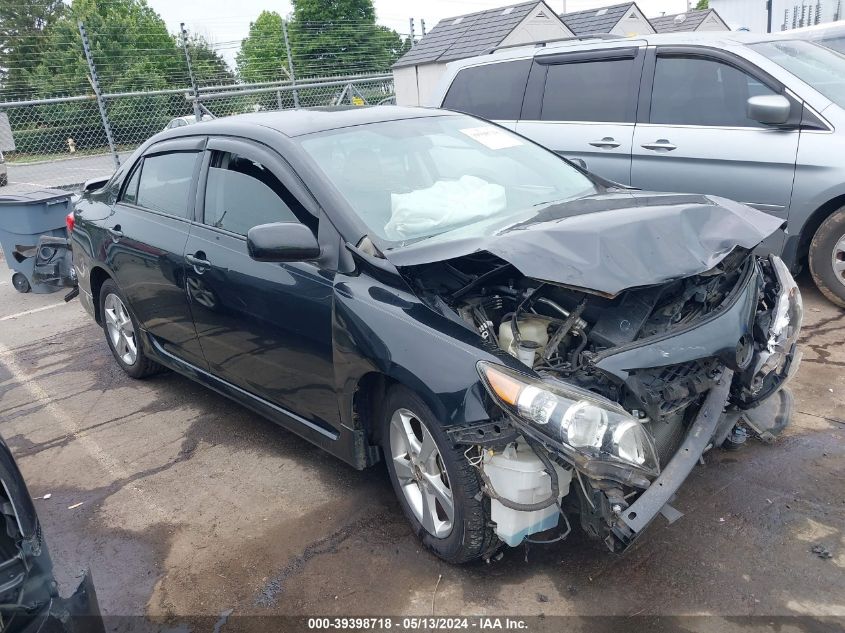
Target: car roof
pixel 309 120
pixel 718 39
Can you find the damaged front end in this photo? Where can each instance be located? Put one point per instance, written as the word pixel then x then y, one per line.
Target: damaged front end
pixel 622 394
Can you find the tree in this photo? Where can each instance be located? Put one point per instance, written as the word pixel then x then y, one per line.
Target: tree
pixel 702 5
pixel 209 67
pixel 262 55
pixel 340 37
pixel 129 43
pixel 22 41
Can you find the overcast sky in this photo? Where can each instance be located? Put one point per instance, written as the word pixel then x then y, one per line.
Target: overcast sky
pixel 226 22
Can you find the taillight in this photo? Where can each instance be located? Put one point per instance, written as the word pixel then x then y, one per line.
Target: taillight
pixel 69 222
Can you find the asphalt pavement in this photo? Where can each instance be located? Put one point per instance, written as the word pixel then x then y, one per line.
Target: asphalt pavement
pixel 60 173
pixel 184 504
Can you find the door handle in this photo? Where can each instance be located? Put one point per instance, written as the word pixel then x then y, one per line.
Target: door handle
pixel 608 142
pixel 660 144
pixel 115 232
pixel 198 261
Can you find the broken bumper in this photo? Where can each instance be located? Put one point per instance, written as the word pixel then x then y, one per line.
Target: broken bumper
pixel 635 518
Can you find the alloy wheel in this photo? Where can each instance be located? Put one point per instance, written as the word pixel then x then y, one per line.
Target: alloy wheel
pixel 421 473
pixel 839 260
pixel 120 330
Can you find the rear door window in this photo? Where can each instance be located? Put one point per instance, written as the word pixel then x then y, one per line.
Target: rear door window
pixel 492 91
pixel 165 182
pixel 597 90
pixel 699 91
pixel 242 193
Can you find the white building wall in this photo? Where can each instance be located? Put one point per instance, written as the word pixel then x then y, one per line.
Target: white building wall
pixel 751 14
pixel 428 75
pixel 405 85
pixel 541 25
pixel 633 23
pixel 711 23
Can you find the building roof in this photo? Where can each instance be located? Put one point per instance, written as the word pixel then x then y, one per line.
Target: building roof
pixel 467 35
pixel 601 20
pixel 675 23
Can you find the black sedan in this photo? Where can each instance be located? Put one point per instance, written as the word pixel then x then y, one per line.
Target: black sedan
pixel 522 342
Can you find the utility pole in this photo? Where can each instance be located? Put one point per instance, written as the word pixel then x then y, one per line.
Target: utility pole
pixel 95 84
pixel 768 16
pixel 412 32
pixel 290 64
pixel 194 88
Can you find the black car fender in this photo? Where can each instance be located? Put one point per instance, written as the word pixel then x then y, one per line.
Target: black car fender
pixel 386 330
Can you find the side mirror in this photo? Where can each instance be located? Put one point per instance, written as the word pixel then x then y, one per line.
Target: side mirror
pixel 94 184
pixel 769 109
pixel 282 242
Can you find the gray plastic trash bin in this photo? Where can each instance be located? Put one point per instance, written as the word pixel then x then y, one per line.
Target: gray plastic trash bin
pixel 26 215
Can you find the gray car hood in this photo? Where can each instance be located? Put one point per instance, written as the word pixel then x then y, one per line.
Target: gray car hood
pixel 608 242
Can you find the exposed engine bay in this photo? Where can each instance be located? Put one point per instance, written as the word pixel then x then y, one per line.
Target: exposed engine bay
pixel 609 431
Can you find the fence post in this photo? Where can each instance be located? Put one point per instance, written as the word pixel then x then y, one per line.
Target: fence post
pixel 411 21
pixel 95 84
pixel 194 87
pixel 290 64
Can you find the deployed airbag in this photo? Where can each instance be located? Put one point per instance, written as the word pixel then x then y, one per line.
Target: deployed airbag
pixel 445 203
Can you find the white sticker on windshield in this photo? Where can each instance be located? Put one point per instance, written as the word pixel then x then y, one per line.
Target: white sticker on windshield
pixel 492 137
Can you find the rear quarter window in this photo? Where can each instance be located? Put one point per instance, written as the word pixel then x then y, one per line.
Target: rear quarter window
pixel 491 91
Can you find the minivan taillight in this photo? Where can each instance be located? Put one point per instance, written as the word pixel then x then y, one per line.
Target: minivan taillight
pixel 69 222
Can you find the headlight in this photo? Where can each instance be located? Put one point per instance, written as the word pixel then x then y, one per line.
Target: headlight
pixel 582 423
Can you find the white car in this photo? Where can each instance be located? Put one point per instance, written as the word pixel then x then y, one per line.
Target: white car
pixel 829 34
pixel 182 121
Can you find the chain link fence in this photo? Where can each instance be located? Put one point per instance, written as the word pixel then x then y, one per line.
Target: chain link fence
pixel 61 142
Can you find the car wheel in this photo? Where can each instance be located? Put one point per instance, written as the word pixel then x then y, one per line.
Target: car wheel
pixel 438 489
pixel 122 333
pixel 21 283
pixel 827 258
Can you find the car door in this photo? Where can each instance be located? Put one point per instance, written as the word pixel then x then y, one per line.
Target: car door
pixel 264 327
pixel 145 248
pixel 582 104
pixel 694 134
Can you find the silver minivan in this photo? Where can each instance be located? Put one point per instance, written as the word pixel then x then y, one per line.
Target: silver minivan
pixel 759 119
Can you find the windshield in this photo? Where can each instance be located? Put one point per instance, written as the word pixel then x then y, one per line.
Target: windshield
pixel 415 178
pixel 819 67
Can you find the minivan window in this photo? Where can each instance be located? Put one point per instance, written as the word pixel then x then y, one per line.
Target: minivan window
pixel 697 91
pixel 817 66
pixel 166 182
pixel 589 91
pixel 492 91
pixel 242 193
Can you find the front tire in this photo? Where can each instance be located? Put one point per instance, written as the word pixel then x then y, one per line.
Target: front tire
pixel 122 333
pixel 438 489
pixel 827 258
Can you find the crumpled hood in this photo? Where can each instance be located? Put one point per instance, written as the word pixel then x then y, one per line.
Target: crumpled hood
pixel 608 242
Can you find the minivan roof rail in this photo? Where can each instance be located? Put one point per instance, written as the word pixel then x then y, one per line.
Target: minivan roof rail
pixel 574 38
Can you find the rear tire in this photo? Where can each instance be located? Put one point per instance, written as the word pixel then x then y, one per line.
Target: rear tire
pixel 827 257
pixel 121 331
pixel 469 534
